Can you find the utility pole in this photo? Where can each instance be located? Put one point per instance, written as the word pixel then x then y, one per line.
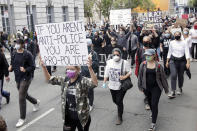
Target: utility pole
pixel 10 17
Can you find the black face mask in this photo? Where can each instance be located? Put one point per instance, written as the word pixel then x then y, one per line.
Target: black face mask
pixel 178 37
pixel 146 44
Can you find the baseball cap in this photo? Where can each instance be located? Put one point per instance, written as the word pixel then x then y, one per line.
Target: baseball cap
pixel 149 52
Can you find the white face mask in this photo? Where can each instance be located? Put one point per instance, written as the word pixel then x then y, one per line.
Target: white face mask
pixel 116 58
pixel 17 46
pixel 25 37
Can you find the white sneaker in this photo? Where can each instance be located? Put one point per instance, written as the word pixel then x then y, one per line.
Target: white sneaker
pixel 36 106
pixel 20 123
pixel 179 92
pixel 91 108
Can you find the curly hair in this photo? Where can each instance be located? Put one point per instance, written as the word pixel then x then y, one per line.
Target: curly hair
pixel 3 125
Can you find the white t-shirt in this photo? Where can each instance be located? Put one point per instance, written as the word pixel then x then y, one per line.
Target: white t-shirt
pixel 188 40
pixel 193 33
pixel 113 71
pixel 178 49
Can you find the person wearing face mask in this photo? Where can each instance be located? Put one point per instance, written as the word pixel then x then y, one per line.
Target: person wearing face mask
pixel 152 81
pixel 23 65
pixel 113 73
pixel 140 58
pixel 3 73
pixel 122 39
pixel 85 72
pixel 178 59
pixel 109 48
pixel 164 47
pixel 187 38
pixel 193 34
pixel 97 42
pixel 74 95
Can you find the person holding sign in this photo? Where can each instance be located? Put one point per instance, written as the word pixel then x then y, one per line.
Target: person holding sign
pixel 23 65
pixel 74 95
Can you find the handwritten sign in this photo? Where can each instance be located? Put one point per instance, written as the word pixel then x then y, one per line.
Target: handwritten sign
pixel 120 17
pixel 63 44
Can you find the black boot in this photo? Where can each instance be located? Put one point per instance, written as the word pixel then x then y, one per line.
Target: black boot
pixel 8 99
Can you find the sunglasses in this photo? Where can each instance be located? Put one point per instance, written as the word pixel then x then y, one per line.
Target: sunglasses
pixel 116 55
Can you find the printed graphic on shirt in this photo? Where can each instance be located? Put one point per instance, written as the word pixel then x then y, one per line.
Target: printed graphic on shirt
pixel 71 93
pixel 114 74
pixel 166 43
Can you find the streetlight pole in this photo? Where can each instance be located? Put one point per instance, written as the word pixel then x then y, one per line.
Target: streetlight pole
pixel 10 17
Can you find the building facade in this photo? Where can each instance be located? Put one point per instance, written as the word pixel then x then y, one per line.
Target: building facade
pixel 16 14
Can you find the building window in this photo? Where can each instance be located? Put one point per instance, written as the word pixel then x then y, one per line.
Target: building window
pixel 28 13
pixel 65 13
pixel 5 19
pixel 50 14
pixel 76 12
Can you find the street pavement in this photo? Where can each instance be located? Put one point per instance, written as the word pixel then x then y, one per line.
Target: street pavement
pixel 179 114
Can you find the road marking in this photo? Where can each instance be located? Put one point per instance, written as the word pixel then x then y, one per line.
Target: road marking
pixel 36 119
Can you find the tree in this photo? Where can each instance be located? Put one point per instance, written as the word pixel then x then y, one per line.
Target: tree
pixel 193 3
pixel 88 6
pixel 106 6
pixel 145 4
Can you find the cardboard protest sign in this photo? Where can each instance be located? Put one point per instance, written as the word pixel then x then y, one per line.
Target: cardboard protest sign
pixel 173 30
pixel 181 22
pixel 120 17
pixel 63 44
pixel 148 26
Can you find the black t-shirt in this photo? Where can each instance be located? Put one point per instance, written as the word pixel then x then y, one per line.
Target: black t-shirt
pixel 18 62
pixel 151 78
pixel 71 104
pixel 166 43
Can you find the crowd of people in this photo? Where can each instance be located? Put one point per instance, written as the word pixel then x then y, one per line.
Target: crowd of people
pixel 131 47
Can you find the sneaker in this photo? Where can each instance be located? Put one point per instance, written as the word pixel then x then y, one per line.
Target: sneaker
pixel 153 127
pixel 8 99
pixel 147 107
pixel 54 71
pixel 179 92
pixel 36 106
pixel 172 95
pixel 20 123
pixel 119 121
pixel 91 108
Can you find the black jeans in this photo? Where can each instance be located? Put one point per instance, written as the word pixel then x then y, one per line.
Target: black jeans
pixel 153 94
pixel 91 96
pixel 73 124
pixel 177 69
pixel 166 70
pixel 194 55
pixel 133 52
pixel 3 92
pixel 23 87
pixel 118 97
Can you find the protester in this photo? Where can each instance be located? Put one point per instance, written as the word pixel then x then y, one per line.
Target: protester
pixel 97 42
pixel 3 72
pixel 112 72
pixel 187 38
pixel 152 81
pixel 85 72
pixel 75 106
pixel 178 58
pixel 132 45
pixel 140 58
pixel 164 47
pixel 4 40
pixel 23 65
pixel 193 33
